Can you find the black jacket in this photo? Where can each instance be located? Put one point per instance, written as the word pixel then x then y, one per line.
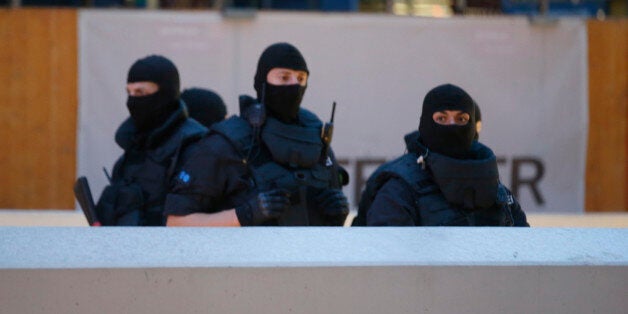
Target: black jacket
pixel 237 161
pixel 423 188
pixel 142 175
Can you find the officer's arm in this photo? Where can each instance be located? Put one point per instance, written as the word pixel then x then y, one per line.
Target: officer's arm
pixel 255 211
pixel 202 178
pixel 519 217
pixel 392 206
pixel 225 218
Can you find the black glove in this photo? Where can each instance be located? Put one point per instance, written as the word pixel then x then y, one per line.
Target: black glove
pixel 333 204
pixel 265 206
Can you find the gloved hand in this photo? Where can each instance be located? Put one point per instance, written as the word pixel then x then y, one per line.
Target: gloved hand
pixel 333 204
pixel 262 207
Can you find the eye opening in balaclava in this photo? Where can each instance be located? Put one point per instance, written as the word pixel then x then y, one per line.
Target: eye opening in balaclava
pixel 450 140
pixel 150 111
pixel 204 105
pixel 282 101
pixel 478 120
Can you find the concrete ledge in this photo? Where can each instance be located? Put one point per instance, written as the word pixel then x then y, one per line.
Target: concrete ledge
pixel 313 270
pixel 72 218
pixel 45 217
pixel 144 247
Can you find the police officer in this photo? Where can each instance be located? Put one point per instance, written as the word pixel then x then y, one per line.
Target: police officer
pixel 267 166
pixel 152 138
pixel 204 105
pixel 446 178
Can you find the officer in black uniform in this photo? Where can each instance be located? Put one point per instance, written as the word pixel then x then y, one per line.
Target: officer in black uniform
pixel 267 166
pixel 446 178
pixel 204 105
pixel 152 138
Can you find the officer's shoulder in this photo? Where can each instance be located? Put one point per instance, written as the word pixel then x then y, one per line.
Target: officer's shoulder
pixel 191 127
pixel 212 144
pixel 230 125
pixel 124 134
pixel 308 117
pixel 187 132
pixel 481 151
pixel 404 168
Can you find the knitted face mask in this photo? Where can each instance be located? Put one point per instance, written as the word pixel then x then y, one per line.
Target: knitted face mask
pixel 148 112
pixel 450 140
pixel 283 101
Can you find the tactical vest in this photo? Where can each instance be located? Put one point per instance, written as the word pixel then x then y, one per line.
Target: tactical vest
pixel 404 168
pixel 431 208
pixel 140 180
pixel 284 156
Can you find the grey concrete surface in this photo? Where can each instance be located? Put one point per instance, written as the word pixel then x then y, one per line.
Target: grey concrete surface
pixel 313 270
pixel 125 247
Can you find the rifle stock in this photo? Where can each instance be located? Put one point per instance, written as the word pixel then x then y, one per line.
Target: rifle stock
pixel 83 195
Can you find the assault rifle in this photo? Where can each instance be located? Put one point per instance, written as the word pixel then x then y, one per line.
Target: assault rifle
pixel 83 195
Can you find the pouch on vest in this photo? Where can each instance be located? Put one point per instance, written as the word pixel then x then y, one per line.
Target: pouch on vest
pixel 271 176
pixel 404 168
pixel 121 204
pixel 292 145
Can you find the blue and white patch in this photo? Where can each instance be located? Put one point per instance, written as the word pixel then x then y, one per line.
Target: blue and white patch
pixel 328 162
pixel 511 199
pixel 184 177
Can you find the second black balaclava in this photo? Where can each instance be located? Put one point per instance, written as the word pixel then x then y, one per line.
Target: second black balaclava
pixel 151 111
pixel 204 105
pixel 450 140
pixel 282 101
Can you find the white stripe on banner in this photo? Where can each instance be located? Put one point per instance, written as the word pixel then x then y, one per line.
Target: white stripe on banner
pixel 529 80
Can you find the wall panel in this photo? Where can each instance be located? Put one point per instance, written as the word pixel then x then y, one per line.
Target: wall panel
pixel 607 172
pixel 38 75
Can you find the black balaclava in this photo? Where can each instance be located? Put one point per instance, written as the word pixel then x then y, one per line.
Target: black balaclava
pixel 151 111
pixel 283 102
pixel 450 140
pixel 204 105
pixel 478 118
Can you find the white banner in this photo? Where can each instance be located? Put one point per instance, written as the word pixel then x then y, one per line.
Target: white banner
pixel 529 80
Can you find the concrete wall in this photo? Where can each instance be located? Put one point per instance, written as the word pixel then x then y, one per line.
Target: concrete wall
pixel 313 270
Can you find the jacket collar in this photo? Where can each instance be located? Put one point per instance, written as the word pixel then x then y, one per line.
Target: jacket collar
pixel 127 136
pixel 469 183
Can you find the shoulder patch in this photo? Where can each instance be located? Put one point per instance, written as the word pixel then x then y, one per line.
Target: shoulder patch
pixel 183 177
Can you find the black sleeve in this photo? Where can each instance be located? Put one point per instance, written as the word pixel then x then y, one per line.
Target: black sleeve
pixel 518 216
pixel 117 170
pixel 392 206
pixel 211 171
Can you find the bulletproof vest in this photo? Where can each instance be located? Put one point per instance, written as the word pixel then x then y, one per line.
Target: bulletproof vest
pixel 284 156
pixel 471 184
pixel 430 205
pixel 404 168
pixel 500 214
pixel 141 180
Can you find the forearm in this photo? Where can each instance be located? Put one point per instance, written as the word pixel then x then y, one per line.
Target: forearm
pixel 225 218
